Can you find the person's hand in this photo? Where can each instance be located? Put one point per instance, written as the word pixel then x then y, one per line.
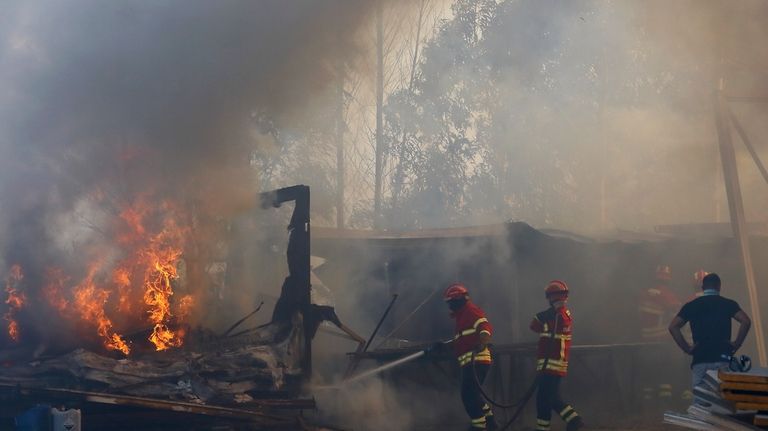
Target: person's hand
pixel 691 349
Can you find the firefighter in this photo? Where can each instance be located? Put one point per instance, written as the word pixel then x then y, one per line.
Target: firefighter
pixel 470 343
pixel 554 326
pixel 657 307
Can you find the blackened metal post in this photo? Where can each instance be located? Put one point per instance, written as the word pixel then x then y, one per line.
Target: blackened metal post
pixel 381 321
pixel 296 294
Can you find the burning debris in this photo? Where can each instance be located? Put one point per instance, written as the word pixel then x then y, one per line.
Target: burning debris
pixel 214 370
pixel 15 301
pixel 128 281
pixel 136 289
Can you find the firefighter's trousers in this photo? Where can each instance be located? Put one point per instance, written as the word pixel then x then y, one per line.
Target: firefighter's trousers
pixel 473 401
pixel 548 400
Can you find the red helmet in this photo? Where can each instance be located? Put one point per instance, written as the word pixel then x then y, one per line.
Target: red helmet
pixel 455 291
pixel 556 289
pixel 698 277
pixel 664 273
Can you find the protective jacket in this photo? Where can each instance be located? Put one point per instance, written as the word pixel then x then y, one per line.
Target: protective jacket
pixel 554 326
pixel 657 306
pixel 470 323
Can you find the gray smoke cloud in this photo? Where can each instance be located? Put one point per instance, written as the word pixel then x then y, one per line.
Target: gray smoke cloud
pixel 107 105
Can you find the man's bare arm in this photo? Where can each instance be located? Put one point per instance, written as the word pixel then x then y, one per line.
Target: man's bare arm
pixel 744 324
pixel 677 335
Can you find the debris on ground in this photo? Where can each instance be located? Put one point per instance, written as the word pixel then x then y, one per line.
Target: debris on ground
pixel 727 400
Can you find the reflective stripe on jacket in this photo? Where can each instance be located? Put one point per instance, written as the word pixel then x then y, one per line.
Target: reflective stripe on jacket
pixel 554 327
pixel 470 323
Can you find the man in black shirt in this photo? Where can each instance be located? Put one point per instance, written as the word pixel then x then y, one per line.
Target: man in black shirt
pixel 710 318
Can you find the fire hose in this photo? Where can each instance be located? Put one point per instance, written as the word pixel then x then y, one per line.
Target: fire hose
pixel 519 405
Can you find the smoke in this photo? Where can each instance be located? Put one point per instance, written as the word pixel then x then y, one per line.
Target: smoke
pixel 102 102
pixel 585 96
pixel 137 118
pixel 586 115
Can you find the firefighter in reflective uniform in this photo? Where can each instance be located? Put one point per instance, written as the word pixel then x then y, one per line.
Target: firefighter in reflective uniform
pixel 470 343
pixel 554 326
pixel 657 306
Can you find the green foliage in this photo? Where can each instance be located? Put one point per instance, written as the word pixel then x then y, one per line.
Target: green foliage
pixel 516 107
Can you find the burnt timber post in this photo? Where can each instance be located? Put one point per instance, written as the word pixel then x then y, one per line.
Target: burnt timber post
pixel 296 292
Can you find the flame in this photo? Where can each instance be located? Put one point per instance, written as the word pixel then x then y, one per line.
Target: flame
pixel 90 301
pixel 164 253
pixel 130 282
pixel 15 301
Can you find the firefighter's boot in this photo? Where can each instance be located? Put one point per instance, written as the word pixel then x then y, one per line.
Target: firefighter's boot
pixel 478 424
pixel 575 424
pixel 490 421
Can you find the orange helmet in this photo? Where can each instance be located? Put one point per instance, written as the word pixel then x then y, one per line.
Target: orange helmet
pixel 698 277
pixel 455 291
pixel 556 289
pixel 664 273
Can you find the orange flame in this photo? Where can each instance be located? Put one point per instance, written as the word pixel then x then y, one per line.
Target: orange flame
pixel 15 301
pixel 164 255
pixel 149 242
pixel 90 301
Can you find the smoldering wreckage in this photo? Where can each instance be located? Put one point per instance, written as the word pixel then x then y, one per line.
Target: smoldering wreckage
pixel 180 377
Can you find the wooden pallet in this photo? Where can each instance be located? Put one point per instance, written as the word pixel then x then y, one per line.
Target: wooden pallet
pixel 744 386
pixel 759 407
pixel 758 375
pixel 746 396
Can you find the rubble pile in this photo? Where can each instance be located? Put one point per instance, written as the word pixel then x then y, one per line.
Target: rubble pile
pixel 222 371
